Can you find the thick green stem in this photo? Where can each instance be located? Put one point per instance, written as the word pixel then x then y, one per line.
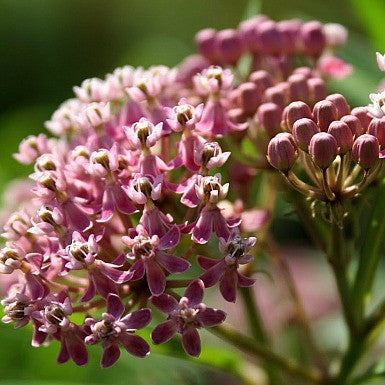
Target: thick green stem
pixel 337 259
pixel 250 346
pixel 370 253
pixel 258 331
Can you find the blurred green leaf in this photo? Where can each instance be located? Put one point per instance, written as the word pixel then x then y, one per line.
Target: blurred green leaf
pixel 371 13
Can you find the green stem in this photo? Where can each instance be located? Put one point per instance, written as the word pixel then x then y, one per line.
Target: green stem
pixel 248 345
pixel 257 330
pixel 370 253
pixel 337 259
pixel 316 228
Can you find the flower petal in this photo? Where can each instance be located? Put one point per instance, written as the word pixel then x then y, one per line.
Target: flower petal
pixel 155 278
pixel 138 319
pixel 134 344
pixel 228 285
pixel 115 306
pixel 165 303
pixel 194 292
pixel 110 355
pixel 214 274
pixel 164 332
pixel 172 263
pixel 170 239
pixel 211 317
pixel 191 342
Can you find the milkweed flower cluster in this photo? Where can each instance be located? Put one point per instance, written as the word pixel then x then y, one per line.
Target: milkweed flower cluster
pixel 134 182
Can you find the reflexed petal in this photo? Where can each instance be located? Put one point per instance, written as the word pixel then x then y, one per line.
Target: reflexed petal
pixel 164 332
pixel 138 269
pixel 212 317
pixel 76 348
pixel 115 306
pixel 194 292
pixel 165 303
pixel 115 275
pixel 63 354
pixel 103 285
pixel 245 281
pixel 170 239
pixel 206 263
pixel 134 344
pixel 110 355
pixel 107 207
pixel 172 263
pixel 221 228
pixel 214 274
pixel 121 200
pixel 204 227
pixel 228 285
pixel 90 293
pixel 155 278
pixel 191 342
pixel 138 319
pixel 35 287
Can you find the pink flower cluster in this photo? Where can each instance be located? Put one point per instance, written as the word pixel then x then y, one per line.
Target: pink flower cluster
pixel 133 186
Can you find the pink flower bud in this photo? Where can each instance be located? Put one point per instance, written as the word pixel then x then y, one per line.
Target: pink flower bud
pixel 262 79
pixel 293 112
pixel 323 148
pixel 206 41
pixel 362 114
pixel 335 34
pixel 303 130
pixel 278 94
pixel 342 134
pixel 290 31
pixel 269 116
pixel 228 46
pixel 317 89
pixel 313 38
pixel 334 67
pixel 282 152
pixel 324 113
pixel 354 124
pixel 340 102
pixel 377 129
pixel 249 97
pixel 247 32
pixel 298 87
pixel 269 38
pixel 366 150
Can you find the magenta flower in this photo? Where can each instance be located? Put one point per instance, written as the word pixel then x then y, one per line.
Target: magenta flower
pixel 103 276
pixel 113 329
pixel 185 317
pixel 143 134
pixel 183 116
pixel 225 270
pixel 150 258
pixel 105 164
pixel 54 322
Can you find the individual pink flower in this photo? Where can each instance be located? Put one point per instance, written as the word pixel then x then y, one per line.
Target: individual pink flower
pixel 183 116
pixel 105 164
pixel 143 134
pixel 17 309
pixel 150 258
pixel 103 276
pixel 185 317
pixel 114 330
pixel 31 148
pixel 54 322
pixel 334 67
pixel 225 270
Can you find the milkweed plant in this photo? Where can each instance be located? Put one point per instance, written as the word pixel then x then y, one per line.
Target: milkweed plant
pixel 156 184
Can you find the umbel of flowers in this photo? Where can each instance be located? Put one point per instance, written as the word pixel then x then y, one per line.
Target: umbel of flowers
pixel 129 191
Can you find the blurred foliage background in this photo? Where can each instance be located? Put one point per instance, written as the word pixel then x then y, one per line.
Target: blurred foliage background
pixel 47 46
